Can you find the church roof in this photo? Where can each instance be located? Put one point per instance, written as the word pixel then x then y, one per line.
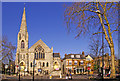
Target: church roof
pixel 41 43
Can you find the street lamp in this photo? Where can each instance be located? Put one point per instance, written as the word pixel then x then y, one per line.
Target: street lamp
pixel 101 14
pixel 6 66
pixel 19 66
pixel 9 66
pixel 33 66
pixel 19 72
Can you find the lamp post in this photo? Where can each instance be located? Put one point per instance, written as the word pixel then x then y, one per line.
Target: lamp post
pixel 33 66
pixel 102 24
pixel 9 66
pixel 19 66
pixel 6 66
pixel 19 72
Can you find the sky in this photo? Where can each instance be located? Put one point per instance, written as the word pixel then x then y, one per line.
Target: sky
pixel 45 21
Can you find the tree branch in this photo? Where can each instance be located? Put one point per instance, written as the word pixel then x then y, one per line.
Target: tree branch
pixel 114 31
pixel 96 33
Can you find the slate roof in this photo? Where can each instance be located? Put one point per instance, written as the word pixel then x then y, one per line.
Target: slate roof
pixel 69 56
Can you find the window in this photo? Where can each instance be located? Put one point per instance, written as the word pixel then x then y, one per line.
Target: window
pixel 70 62
pixel 72 56
pixel 67 62
pixel 40 52
pixel 75 62
pixel 31 64
pixel 43 55
pixel 43 64
pixel 47 64
pixel 77 56
pixel 70 69
pixel 19 36
pixel 22 44
pixel 40 64
pixel 35 55
pixel 88 64
pixel 81 62
pixel 88 59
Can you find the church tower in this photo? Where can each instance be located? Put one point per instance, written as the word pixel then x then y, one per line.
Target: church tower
pixel 22 45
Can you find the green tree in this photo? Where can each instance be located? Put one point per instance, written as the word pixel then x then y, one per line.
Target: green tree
pixel 88 17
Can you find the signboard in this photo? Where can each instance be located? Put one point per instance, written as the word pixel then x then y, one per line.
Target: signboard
pixel 88 68
pixel 57 69
pixel 39 70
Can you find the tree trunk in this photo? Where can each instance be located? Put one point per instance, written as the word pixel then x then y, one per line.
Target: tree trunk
pixel 112 75
pixel 111 45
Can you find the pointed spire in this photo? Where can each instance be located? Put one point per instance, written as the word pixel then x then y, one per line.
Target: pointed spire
pixel 23 22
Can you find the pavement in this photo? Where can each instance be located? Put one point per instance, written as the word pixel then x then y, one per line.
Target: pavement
pixel 74 77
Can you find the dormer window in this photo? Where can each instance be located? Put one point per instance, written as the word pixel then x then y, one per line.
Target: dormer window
pixel 72 56
pixel 77 56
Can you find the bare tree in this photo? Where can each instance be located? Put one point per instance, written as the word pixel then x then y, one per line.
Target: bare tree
pixel 95 46
pixel 7 50
pixel 88 17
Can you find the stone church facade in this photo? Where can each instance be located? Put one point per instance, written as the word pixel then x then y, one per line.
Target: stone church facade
pixel 46 62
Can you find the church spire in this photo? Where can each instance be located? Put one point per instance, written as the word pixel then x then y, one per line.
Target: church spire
pixel 23 22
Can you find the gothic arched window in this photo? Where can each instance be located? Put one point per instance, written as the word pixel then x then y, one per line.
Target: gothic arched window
pixel 35 56
pixel 19 36
pixel 47 64
pixel 39 51
pixel 22 44
pixel 31 64
pixel 43 64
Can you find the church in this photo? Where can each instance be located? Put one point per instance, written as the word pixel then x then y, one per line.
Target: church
pixel 38 57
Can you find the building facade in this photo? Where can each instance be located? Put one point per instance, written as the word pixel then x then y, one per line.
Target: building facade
pixel 77 63
pixel 39 54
